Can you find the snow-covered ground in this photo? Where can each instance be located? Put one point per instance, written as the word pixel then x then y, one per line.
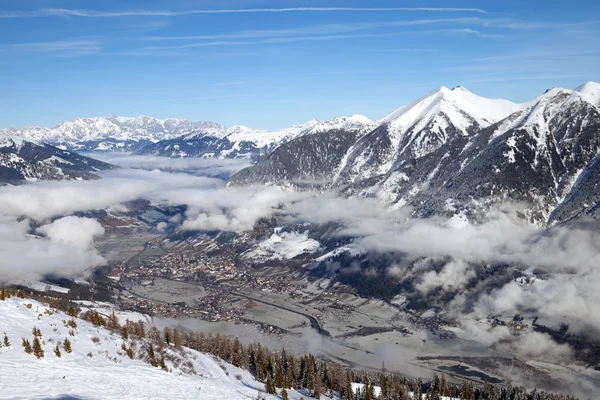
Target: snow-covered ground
pixel 109 373
pixel 284 245
pixel 45 286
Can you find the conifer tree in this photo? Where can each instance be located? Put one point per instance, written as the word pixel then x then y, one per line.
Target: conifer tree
pixel 140 329
pixel 270 386
pixel 284 394
pixel 236 353
pixel 418 390
pixel 37 348
pixel 152 356
pixel 178 339
pixel 27 346
pixel 57 350
pixel 154 335
pixel 130 352
pixel 163 366
pixel 369 390
pixel 310 377
pixel 168 335
pixel 317 390
pixel 6 341
pixel 443 386
pixel 279 375
pixel 113 322
pixel 67 345
pixel 71 310
pixel 348 395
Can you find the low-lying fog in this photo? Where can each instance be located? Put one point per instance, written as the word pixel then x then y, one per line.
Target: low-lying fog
pixel 38 235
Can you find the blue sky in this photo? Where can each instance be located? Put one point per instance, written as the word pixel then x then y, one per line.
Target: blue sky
pixel 270 64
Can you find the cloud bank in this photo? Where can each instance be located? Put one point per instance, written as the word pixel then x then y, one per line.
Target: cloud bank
pixel 66 250
pixel 440 255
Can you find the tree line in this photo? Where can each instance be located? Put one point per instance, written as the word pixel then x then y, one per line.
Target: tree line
pixel 281 370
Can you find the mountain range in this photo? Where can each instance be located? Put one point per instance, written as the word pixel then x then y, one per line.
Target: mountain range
pixel 240 141
pixel 174 137
pixel 447 152
pixel 112 132
pixel 452 151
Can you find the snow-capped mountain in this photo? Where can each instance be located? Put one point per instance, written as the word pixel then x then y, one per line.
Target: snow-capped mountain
pixel 453 147
pixel 112 132
pixel 419 128
pixel 21 160
pixel 241 141
pixel 174 137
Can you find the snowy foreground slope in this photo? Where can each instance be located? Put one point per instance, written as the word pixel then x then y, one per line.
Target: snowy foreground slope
pixel 109 373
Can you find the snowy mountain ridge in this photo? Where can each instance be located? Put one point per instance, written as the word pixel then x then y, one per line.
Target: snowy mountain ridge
pixel 454 146
pixel 240 141
pixel 458 103
pixel 115 127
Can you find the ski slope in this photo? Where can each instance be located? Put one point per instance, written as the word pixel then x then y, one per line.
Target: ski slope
pixel 109 373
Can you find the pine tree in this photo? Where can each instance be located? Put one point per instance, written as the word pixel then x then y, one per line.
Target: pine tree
pixel 168 335
pixel 113 322
pixel 57 350
pixel 418 391
pixel 27 346
pixel 369 390
pixel 71 310
pixel 236 353
pixel 270 386
pixel 279 381
pixel 348 395
pixel 284 394
pixel 152 356
pixel 140 329
pixel 436 384
pixel 129 352
pixel 67 345
pixel 154 335
pixel 444 386
pixel 178 339
pixel 6 341
pixel 163 366
pixel 37 348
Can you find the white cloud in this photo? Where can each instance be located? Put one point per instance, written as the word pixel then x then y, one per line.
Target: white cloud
pixel 231 209
pixel 196 166
pixel 42 200
pixel 61 48
pixel 63 12
pixel 67 250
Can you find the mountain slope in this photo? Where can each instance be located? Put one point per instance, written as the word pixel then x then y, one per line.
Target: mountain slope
pixel 109 373
pixel 311 158
pixel 20 160
pixel 535 157
pixel 452 150
pixel 420 128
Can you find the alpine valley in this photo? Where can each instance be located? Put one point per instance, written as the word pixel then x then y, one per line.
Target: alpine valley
pixel 455 236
